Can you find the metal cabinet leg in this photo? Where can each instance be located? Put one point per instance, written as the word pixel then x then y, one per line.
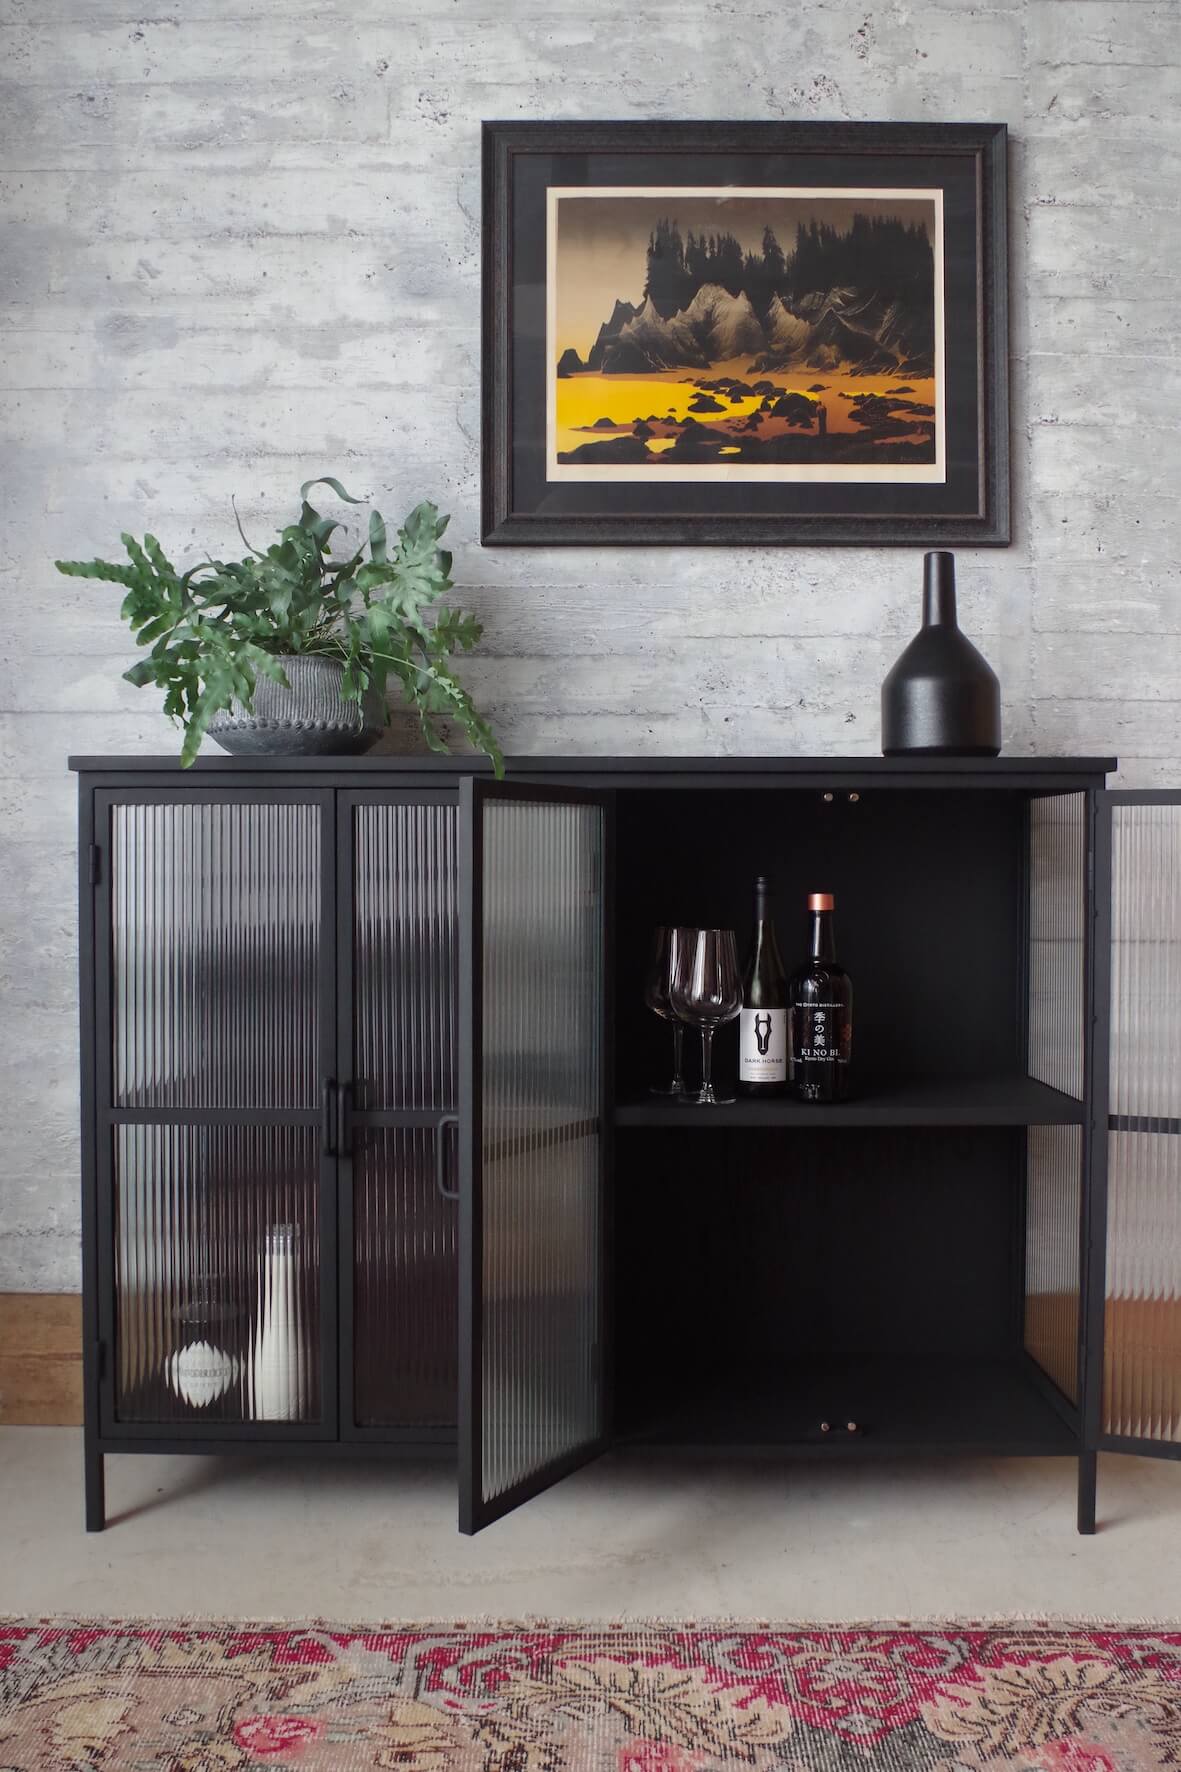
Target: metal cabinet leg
pixel 96 1490
pixel 1088 1466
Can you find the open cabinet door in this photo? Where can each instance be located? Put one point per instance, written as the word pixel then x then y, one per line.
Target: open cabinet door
pixel 533 978
pixel 1134 1309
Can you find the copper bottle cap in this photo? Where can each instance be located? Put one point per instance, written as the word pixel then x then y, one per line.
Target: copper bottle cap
pixel 820 901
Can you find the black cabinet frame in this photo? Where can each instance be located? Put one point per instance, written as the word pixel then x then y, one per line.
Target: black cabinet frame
pixel 338 786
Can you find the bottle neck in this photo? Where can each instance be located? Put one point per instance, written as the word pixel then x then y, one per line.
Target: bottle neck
pixel 823 944
pixel 764 941
pixel 939 591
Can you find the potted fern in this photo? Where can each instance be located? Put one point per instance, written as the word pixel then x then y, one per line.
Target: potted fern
pixel 291 651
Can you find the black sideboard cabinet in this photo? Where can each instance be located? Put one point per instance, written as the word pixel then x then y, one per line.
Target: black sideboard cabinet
pixel 370 1162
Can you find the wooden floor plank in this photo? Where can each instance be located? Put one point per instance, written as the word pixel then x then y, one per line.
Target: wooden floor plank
pixel 40 1359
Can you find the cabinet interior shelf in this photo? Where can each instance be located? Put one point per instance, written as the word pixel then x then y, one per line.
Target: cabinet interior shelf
pixel 929 1101
pixel 899 1403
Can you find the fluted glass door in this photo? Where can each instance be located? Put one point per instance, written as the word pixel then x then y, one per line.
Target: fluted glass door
pixel 214 915
pixel 533 876
pixel 1141 1302
pixel 398 1039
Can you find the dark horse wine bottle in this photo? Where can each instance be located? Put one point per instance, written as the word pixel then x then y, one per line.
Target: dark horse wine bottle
pixel 762 1030
pixel 820 1021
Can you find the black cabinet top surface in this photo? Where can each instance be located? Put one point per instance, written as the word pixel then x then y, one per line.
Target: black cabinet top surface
pixel 374 769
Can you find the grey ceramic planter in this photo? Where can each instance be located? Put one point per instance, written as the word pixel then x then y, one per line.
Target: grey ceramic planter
pixel 311 719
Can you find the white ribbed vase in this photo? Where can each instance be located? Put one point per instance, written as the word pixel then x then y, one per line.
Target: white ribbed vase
pixel 311 719
pixel 200 1373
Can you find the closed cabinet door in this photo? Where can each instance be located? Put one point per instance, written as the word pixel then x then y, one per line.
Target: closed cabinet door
pixel 1134 1394
pixel 398 1044
pixel 216 1186
pixel 533 1208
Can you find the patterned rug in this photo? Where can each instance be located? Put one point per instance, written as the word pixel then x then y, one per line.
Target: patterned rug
pixel 579 1698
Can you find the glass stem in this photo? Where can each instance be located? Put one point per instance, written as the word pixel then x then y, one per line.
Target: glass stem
pixel 678 1050
pixel 707 1059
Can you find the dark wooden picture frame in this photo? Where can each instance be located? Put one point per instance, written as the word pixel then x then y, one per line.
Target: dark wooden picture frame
pixel 967 162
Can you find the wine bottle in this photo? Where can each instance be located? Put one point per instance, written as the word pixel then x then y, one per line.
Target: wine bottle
pixel 762 1034
pixel 820 1022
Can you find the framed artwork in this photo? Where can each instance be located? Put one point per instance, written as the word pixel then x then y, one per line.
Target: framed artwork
pixel 745 332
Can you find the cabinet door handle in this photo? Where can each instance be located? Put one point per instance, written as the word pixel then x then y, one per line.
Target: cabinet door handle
pixel 442 1125
pixel 327 1117
pixel 344 1119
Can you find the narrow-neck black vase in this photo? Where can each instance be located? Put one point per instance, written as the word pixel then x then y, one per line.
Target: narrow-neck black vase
pixel 941 698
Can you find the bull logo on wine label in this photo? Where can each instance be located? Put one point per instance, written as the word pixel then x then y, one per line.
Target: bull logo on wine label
pixel 763 1033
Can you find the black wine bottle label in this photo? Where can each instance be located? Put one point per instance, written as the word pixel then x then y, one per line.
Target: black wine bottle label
pixel 762 1046
pixel 821 1033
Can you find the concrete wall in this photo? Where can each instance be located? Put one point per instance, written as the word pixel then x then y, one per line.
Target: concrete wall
pixel 241 245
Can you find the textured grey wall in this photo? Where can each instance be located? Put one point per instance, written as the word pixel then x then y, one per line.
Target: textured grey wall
pixel 242 245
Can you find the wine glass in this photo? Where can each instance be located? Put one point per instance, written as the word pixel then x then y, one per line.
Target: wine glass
pixel 666 942
pixel 707 991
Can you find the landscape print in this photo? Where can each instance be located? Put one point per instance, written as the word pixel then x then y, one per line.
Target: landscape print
pixel 759 334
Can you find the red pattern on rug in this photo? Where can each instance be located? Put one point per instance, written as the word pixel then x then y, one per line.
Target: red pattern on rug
pixel 581 1698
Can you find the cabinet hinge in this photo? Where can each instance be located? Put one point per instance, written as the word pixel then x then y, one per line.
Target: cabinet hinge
pixel 95 864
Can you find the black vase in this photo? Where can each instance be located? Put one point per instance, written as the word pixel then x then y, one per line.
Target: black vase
pixel 941 698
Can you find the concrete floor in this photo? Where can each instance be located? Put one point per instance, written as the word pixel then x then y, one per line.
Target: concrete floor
pixel 368 1542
